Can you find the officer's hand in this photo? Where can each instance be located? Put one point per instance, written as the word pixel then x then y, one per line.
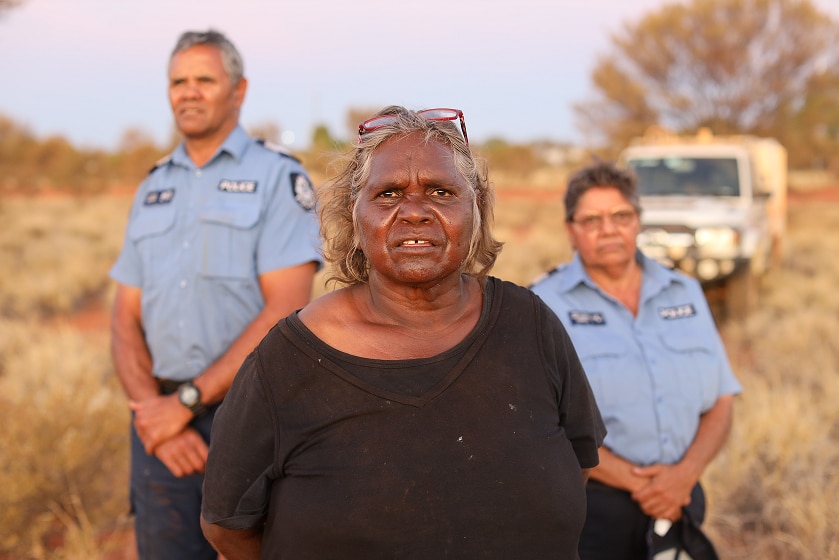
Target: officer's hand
pixel 159 418
pixel 668 490
pixel 184 454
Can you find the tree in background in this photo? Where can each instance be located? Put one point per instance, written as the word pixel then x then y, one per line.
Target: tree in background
pixel 5 5
pixel 768 67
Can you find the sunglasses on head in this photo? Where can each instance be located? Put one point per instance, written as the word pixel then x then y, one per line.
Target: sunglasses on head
pixel 441 114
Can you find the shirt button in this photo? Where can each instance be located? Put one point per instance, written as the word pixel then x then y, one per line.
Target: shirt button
pixel 197 172
pixel 182 284
pixel 186 245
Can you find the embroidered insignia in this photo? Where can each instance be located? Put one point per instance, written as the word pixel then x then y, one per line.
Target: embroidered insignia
pixel 159 197
pixel 586 318
pixel 677 312
pixel 303 191
pixel 227 185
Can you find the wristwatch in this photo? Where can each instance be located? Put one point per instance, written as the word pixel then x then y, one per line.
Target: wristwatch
pixel 190 397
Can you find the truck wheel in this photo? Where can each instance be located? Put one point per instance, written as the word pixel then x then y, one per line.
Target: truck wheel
pixel 741 294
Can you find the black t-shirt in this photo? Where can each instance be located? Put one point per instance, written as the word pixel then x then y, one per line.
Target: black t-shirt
pixel 474 453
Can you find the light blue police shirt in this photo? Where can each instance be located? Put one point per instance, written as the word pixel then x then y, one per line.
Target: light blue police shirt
pixel 199 237
pixel 654 374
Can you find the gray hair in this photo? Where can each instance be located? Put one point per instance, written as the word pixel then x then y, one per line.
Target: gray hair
pixel 338 197
pixel 230 57
pixel 600 174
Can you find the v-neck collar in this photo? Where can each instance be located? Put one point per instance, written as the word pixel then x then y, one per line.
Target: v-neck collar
pixel 336 361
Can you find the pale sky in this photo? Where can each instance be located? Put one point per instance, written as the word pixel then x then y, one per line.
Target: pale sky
pixel 90 69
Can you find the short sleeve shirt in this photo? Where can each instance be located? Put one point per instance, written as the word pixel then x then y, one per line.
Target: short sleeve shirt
pixel 199 237
pixel 654 374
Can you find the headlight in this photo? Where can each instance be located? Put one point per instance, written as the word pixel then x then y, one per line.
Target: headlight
pixel 717 237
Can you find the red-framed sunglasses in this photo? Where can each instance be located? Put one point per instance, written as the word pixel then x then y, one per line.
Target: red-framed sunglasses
pixel 441 114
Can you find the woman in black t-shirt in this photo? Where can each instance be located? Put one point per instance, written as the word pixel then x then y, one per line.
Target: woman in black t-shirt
pixel 425 410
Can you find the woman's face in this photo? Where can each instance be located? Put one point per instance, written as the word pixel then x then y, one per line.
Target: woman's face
pixel 414 215
pixel 604 228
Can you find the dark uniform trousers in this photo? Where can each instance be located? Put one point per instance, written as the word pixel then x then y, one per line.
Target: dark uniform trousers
pixel 617 529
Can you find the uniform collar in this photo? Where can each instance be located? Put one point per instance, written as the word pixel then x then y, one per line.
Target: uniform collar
pixel 236 144
pixel 655 276
pixel 575 274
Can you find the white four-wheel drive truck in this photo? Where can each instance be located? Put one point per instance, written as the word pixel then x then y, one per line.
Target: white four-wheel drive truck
pixel 713 207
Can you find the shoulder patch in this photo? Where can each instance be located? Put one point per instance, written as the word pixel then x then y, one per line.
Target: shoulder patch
pixel 303 191
pixel 277 149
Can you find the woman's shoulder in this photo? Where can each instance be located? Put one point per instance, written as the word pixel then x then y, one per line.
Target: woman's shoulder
pixel 510 290
pixel 326 311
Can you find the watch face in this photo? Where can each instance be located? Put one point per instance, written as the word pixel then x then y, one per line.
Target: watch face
pixel 188 395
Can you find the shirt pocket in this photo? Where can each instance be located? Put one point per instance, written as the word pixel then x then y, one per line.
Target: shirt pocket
pixel 149 231
pixel 605 358
pixel 229 240
pixel 694 360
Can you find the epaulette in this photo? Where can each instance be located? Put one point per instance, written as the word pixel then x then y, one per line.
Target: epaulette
pixel 277 148
pixel 548 274
pixel 161 162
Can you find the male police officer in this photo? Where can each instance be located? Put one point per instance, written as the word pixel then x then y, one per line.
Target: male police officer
pixel 221 242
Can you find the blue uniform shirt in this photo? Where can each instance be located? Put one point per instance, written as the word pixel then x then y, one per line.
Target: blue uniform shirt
pixel 198 239
pixel 654 374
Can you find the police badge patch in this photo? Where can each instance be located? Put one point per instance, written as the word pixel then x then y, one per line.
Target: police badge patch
pixel 677 312
pixel 227 185
pixel 595 318
pixel 159 197
pixel 303 191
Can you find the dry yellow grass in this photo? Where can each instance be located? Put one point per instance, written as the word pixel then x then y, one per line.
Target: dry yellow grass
pixel 63 466
pixel 63 439
pixel 772 490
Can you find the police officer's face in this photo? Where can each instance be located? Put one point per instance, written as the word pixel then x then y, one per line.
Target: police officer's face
pixel 604 228
pixel 204 101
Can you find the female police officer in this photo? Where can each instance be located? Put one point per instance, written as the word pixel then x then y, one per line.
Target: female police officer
pixel 657 367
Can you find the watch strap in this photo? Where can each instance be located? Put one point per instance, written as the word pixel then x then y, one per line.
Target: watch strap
pixel 197 408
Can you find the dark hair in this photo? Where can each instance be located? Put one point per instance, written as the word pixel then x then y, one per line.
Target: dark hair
pixel 600 174
pixel 230 57
pixel 337 198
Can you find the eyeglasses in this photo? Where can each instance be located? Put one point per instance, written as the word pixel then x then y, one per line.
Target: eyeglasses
pixel 441 114
pixel 619 218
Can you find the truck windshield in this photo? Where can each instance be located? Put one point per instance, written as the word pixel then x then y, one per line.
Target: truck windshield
pixel 686 176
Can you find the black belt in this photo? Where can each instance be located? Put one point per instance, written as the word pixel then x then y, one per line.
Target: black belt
pixel 170 386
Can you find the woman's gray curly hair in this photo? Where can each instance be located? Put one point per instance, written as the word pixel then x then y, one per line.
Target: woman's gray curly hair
pixel 337 198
